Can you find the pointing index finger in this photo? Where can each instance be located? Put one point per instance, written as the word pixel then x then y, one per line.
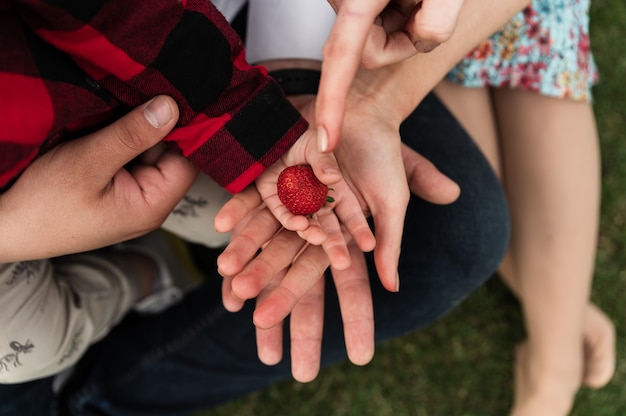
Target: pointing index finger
pixel 340 60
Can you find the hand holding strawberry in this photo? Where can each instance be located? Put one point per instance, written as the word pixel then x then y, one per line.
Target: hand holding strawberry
pixel 326 228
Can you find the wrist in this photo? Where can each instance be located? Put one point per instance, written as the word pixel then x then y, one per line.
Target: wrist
pixel 379 91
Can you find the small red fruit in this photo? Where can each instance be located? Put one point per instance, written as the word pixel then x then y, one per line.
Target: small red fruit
pixel 300 191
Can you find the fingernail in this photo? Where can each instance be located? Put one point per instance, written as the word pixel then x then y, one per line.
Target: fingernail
pixel 158 112
pixel 425 46
pixel 322 139
pixel 397 282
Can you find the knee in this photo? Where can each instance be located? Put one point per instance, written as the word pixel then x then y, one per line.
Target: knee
pixel 478 229
pixel 482 228
pixel 452 250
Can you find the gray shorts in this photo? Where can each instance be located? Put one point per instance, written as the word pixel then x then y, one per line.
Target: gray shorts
pixel 53 310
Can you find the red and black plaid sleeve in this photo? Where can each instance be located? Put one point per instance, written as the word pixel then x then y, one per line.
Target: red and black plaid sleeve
pixel 77 63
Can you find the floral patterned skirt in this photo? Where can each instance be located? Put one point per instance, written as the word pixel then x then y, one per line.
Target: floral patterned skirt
pixel 544 48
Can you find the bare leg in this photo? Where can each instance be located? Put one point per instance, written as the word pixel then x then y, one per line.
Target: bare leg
pixel 551 174
pixel 473 108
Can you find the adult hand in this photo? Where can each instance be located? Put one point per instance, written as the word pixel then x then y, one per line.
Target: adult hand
pixel 81 195
pixel 374 33
pixel 287 277
pixel 382 170
pixel 307 315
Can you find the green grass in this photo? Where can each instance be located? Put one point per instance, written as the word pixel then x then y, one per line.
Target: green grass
pixel 462 365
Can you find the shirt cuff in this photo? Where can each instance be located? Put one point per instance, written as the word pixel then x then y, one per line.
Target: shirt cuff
pixel 287 29
pixel 243 144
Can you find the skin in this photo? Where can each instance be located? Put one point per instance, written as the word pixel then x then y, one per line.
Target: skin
pixel 379 99
pixel 122 182
pixel 345 210
pixel 80 196
pixel 281 276
pixel 374 33
pixel 546 151
pixel 110 203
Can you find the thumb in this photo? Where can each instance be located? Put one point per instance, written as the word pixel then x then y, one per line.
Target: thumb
pixel 426 181
pixel 324 165
pixel 434 22
pixel 103 153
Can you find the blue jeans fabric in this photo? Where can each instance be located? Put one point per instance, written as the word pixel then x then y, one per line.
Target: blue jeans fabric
pixel 196 354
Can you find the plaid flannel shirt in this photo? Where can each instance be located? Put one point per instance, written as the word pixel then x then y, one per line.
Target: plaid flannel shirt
pixel 68 67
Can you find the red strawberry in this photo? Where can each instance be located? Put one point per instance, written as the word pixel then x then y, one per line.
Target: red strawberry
pixel 300 191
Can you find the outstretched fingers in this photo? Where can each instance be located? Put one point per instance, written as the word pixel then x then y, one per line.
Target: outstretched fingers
pixel 269 341
pixel 341 57
pixel 306 328
pixel 245 244
pixel 277 255
pixel 357 311
pixel 303 274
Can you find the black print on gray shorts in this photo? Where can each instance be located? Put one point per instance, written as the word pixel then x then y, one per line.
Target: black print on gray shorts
pixel 187 207
pixel 12 359
pixel 24 269
pixel 74 347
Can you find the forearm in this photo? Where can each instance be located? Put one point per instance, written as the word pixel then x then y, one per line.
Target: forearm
pixel 477 21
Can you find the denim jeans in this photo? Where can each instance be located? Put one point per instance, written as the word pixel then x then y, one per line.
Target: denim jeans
pixel 196 354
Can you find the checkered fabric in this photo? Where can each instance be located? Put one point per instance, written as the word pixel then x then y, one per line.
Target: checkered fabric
pixel 69 67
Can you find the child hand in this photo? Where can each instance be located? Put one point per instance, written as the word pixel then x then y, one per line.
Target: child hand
pixel 345 212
